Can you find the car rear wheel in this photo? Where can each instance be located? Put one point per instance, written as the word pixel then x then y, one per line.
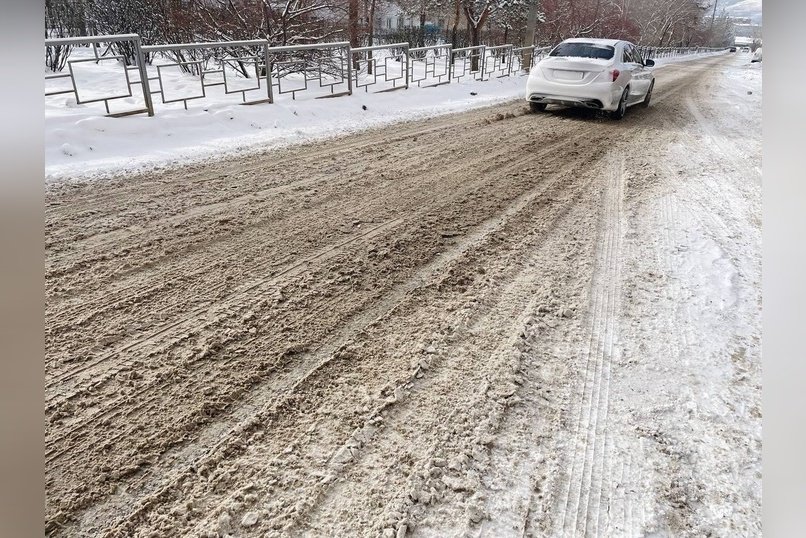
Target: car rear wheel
pixel 622 106
pixel 537 107
pixel 645 102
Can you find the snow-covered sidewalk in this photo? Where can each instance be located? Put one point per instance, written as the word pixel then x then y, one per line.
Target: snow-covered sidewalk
pixel 80 141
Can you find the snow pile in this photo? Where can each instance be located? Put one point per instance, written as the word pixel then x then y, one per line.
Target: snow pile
pixel 81 141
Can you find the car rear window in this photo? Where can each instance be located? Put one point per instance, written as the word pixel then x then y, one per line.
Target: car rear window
pixel 584 50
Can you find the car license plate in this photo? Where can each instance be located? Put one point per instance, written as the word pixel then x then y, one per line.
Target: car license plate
pixel 562 74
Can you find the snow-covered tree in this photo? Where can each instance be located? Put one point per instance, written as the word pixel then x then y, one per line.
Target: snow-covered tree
pixel 63 18
pixel 478 12
pixel 281 22
pixel 147 18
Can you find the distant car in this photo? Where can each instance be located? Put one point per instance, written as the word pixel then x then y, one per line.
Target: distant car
pixel 601 74
pixel 732 49
pixel 757 56
pixel 745 49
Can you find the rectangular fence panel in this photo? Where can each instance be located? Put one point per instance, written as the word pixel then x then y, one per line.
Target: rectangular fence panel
pixel 498 61
pixel 379 65
pixel 430 65
pixel 524 58
pixel 325 65
pixel 228 59
pixel 468 62
pixel 81 85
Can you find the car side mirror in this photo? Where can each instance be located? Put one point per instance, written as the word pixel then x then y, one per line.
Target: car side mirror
pixel 649 63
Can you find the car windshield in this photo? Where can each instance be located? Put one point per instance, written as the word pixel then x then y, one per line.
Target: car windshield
pixel 583 50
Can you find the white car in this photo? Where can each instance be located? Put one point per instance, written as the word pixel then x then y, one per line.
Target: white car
pixel 603 74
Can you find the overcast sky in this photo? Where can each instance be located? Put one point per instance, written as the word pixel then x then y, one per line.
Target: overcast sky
pixel 743 8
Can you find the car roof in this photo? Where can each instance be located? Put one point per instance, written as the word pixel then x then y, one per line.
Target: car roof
pixel 598 41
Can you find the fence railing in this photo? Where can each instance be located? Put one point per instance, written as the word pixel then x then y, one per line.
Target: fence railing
pixel 468 62
pixel 260 72
pixel 527 57
pixel 652 53
pixel 87 94
pixel 431 65
pixel 248 56
pixel 498 61
pixel 329 65
pixel 368 71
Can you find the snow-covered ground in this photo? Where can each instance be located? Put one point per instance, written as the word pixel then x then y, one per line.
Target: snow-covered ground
pixel 553 331
pixel 80 141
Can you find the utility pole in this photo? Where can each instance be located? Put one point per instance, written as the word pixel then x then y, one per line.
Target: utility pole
pixel 531 24
pixel 713 16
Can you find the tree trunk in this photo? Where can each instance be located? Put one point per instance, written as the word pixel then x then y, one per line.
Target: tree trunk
pixel 474 42
pixel 422 28
pixel 371 37
pixel 352 16
pixel 456 4
pixel 531 24
pixel 476 25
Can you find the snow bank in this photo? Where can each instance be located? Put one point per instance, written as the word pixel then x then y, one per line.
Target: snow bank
pixel 80 141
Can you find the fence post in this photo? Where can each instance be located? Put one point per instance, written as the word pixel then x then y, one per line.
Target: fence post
pixel 141 64
pixel 349 70
pixel 267 63
pixel 483 60
pixel 450 63
pixel 406 52
pixel 511 53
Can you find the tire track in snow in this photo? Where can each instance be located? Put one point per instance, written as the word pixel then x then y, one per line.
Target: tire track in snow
pixel 235 250
pixel 309 363
pixel 99 370
pixel 323 356
pixel 192 318
pixel 514 304
pixel 581 503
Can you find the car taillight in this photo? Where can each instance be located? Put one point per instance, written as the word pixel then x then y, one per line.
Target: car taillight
pixel 614 75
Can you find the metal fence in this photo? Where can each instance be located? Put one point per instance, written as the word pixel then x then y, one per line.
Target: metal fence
pixel 249 56
pixel 431 65
pixel 260 72
pixel 373 70
pixel 468 62
pixel 325 65
pixel 84 93
pixel 526 57
pixel 653 53
pixel 498 61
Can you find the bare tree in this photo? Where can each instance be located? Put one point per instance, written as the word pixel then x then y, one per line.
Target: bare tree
pixel 353 28
pixel 63 18
pixel 531 25
pixel 370 32
pixel 667 22
pixel 281 22
pixel 457 7
pixel 478 12
pixel 147 18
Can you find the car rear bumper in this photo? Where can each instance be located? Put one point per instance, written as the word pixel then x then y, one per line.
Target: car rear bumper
pixel 566 101
pixel 595 95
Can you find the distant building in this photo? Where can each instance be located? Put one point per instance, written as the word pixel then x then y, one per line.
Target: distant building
pixel 390 17
pixel 747 34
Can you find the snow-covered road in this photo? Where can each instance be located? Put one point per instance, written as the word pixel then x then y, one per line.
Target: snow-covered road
pixel 491 323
